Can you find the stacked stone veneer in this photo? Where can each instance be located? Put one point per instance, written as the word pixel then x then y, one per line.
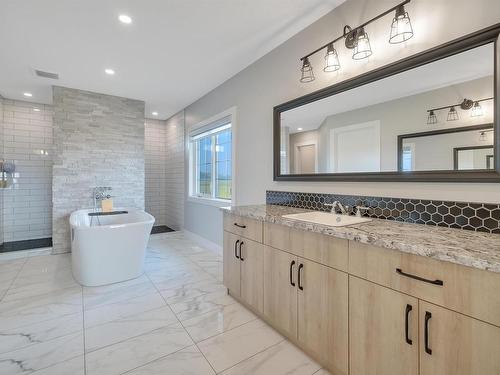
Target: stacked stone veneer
pixel 98 141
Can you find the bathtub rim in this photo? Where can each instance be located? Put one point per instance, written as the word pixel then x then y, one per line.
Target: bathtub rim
pixel 149 219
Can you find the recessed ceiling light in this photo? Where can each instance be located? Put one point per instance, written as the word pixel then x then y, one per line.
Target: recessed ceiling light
pixel 124 18
pixel 28 94
pixel 36 109
pixel 299 129
pixel 109 71
pixel 154 113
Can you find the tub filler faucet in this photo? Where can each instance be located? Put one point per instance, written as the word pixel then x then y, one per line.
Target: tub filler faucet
pixel 101 193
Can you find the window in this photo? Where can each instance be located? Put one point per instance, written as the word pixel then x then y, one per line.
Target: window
pixel 408 157
pixel 211 161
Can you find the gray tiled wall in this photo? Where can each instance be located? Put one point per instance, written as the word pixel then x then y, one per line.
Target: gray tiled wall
pixel 99 141
pixel 27 141
pixel 164 155
pixel 174 164
pixel 155 154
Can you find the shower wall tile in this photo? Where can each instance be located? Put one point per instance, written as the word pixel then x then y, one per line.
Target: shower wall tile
pixel 27 140
pixel 164 156
pixel 155 155
pixel 174 164
pixel 98 141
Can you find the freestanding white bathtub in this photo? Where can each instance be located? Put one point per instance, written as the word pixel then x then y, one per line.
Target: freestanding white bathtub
pixel 109 248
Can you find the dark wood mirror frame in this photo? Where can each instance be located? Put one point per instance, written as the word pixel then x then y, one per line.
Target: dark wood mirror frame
pixel 477 39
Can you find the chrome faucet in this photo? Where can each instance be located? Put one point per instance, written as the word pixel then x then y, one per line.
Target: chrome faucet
pixel 344 210
pixel 101 193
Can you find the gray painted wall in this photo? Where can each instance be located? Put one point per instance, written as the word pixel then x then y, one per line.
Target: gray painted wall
pixel 98 141
pixel 274 79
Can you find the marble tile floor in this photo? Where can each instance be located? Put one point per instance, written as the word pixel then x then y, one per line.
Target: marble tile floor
pixel 175 319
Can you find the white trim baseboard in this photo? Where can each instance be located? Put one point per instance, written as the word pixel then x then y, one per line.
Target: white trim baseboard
pixel 202 241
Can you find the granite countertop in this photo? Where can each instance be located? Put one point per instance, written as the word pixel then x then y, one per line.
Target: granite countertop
pixel 464 247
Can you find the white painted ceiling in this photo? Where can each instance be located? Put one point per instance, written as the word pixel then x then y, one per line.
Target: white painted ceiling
pixel 174 52
pixel 465 66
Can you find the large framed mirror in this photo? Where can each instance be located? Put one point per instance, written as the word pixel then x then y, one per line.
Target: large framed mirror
pixel 430 117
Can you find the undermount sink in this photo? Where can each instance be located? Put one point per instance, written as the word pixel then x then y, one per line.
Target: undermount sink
pixel 326 218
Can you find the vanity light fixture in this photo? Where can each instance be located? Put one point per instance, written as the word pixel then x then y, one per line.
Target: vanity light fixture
pixel 357 39
pixel 482 135
pixel 477 110
pixel 465 105
pixel 452 114
pixel 307 71
pixel 431 119
pixel 331 59
pixel 401 29
pixel 27 94
pixel 362 48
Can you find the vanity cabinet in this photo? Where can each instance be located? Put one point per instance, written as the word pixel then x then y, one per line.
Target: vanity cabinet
pixel 364 310
pixel 308 303
pixel 243 269
pixel 455 344
pixel 383 330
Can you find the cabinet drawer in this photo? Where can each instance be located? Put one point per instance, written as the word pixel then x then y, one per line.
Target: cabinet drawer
pixel 327 250
pixel 467 290
pixel 243 226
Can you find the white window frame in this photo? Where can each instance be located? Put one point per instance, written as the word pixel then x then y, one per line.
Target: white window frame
pixel 191 158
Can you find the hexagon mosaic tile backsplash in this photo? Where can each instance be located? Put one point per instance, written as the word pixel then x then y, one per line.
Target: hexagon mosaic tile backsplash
pixel 481 217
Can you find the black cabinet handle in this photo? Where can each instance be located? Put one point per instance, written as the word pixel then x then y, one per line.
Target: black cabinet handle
pixel 236 249
pixel 407 323
pixel 240 226
pixel 241 254
pixel 298 279
pixel 434 282
pixel 428 317
pixel 291 273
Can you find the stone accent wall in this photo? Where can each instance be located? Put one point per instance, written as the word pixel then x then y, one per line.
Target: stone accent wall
pixel 174 165
pixel 99 141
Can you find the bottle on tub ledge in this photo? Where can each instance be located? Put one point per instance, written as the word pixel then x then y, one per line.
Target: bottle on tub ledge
pixel 107 205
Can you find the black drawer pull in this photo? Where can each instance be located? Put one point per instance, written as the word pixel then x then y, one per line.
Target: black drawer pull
pixel 407 323
pixel 241 254
pixel 298 275
pixel 236 249
pixel 240 226
pixel 428 317
pixel 291 273
pixel 434 282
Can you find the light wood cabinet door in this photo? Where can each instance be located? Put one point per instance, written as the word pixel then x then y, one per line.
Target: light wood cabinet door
pixel 251 256
pixel 323 314
pixel 231 263
pixel 456 344
pixel 280 295
pixel 378 318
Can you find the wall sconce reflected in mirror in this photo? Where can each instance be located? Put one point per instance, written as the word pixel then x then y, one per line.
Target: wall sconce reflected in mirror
pixel 477 110
pixel 431 118
pixel 452 114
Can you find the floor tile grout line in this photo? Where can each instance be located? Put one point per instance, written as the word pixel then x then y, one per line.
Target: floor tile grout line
pixel 155 360
pixel 14 279
pixel 253 355
pixel 131 337
pixel 185 330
